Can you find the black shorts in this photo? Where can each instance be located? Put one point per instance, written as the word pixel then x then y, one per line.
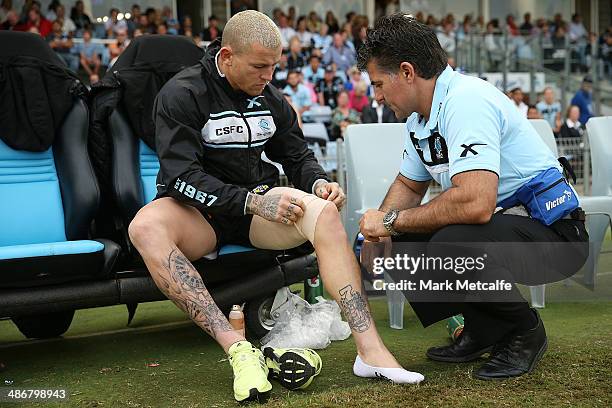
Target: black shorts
pixel 228 229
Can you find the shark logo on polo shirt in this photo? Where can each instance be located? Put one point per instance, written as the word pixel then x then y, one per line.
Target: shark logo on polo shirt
pixel 432 151
pixel 438 147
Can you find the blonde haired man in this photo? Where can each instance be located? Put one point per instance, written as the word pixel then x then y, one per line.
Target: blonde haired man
pixel 213 121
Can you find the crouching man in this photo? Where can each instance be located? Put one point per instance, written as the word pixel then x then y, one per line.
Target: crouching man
pixel 469 137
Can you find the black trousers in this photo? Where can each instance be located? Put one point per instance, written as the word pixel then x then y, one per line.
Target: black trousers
pixel 491 321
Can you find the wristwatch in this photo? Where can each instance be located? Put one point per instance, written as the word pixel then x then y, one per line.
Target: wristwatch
pixel 388 221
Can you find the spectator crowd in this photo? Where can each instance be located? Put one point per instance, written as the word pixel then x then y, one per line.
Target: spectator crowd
pixel 317 68
pixel 570 123
pixel 87 45
pixel 552 38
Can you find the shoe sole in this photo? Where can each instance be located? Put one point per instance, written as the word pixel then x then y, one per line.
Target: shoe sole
pixel 294 370
pixel 535 361
pixel 463 359
pixel 255 395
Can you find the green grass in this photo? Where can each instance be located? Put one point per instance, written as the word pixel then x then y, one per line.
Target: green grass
pixel 103 363
pixel 110 370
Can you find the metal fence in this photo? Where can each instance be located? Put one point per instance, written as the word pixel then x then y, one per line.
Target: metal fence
pixel 573 149
pixel 561 60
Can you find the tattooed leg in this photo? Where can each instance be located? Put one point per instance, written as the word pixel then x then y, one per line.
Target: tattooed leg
pixel 355 309
pixel 167 234
pixel 342 279
pixel 181 283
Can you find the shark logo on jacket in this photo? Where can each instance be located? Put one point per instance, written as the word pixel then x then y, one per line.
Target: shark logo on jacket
pixel 264 126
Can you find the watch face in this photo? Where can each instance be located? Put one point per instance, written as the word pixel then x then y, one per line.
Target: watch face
pixel 389 217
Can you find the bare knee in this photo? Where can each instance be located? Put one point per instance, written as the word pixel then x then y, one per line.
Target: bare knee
pixel 147 233
pixel 329 224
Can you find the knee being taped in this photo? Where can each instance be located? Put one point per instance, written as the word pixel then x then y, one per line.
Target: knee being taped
pixel 314 207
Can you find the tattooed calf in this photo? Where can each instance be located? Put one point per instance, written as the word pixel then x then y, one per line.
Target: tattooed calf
pixel 182 266
pixel 355 309
pixel 189 293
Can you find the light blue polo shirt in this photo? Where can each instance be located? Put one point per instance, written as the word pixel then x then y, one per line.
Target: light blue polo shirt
pixel 473 126
pixel 300 97
pixel 549 112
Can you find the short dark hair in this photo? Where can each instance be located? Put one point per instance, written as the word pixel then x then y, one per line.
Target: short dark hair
pixel 293 71
pixel 400 37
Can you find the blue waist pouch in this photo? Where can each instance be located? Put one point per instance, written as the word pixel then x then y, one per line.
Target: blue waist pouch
pixel 548 197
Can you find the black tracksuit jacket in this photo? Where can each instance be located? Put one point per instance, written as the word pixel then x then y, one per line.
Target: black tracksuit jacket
pixel 209 139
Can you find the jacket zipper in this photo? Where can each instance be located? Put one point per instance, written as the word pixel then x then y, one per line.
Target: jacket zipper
pixel 248 146
pixel 549 187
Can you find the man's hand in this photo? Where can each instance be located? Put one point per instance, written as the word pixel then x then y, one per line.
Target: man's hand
pixel 372 227
pixel 330 192
pixel 282 208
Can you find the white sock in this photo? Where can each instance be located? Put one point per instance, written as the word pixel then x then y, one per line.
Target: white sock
pixel 395 375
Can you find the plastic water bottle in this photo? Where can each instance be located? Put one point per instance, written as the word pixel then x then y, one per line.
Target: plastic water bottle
pixel 395 303
pixel 538 296
pixel 236 319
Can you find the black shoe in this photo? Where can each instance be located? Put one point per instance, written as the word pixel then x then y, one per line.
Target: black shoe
pixel 518 354
pixel 464 349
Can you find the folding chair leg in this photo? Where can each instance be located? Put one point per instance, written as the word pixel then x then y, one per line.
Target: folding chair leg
pixel 597 225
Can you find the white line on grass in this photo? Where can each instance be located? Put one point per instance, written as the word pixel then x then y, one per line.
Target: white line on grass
pixel 604 274
pixel 104 333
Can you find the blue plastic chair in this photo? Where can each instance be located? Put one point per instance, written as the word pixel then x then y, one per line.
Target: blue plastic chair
pixel 598 207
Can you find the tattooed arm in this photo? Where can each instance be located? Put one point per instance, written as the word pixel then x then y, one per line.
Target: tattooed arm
pixel 183 285
pixel 282 208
